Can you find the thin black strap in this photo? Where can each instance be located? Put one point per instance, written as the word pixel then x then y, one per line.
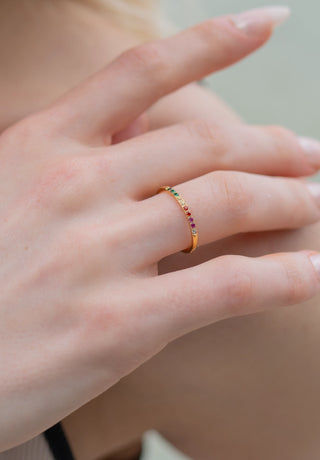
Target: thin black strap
pixel 58 443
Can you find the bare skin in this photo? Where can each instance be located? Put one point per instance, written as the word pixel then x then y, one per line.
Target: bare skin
pixel 240 389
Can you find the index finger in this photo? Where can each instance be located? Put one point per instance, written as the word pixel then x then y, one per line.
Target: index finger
pixel 109 100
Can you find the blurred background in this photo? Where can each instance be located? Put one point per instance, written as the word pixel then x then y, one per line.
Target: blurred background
pixel 280 83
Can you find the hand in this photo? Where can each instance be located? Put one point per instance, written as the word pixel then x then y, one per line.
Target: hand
pixel 82 231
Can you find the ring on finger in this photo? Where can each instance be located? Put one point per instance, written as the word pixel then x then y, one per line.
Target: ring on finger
pixel 187 212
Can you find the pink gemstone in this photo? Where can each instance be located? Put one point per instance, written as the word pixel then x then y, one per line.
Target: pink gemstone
pixel 193 225
pixel 190 219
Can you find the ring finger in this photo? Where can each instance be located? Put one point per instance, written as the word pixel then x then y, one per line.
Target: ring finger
pixel 222 204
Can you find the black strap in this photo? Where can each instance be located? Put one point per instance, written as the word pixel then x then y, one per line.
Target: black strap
pixel 58 443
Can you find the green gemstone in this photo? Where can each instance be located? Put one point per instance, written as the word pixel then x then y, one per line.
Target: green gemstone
pixel 176 194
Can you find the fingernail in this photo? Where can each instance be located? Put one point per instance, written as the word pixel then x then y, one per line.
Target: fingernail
pixel 252 20
pixel 315 259
pixel 314 189
pixel 312 150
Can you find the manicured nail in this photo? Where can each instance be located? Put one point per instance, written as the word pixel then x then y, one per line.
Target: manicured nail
pixel 314 189
pixel 312 150
pixel 315 259
pixel 251 21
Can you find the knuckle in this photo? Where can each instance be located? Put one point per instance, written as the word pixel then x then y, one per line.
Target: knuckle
pixel 297 289
pixel 102 325
pixel 107 168
pixel 286 145
pixel 279 132
pixel 217 30
pixel 228 187
pixel 65 255
pixel 211 138
pixel 239 292
pixel 121 235
pixel 95 238
pixel 106 322
pixel 26 128
pixel 148 57
pixel 302 206
pixel 92 240
pixel 29 136
pixel 77 236
pixel 101 316
pixel 206 32
pixel 200 129
pixel 79 242
pixel 22 132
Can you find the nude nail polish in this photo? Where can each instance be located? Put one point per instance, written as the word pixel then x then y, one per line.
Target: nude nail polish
pixel 311 148
pixel 252 20
pixel 314 189
pixel 315 259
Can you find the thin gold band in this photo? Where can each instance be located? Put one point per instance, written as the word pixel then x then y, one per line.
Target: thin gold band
pixel 185 208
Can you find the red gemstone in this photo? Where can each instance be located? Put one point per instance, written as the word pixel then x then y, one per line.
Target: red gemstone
pixel 188 213
pixel 186 208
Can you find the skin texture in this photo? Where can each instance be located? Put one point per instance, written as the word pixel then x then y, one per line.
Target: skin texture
pixel 214 345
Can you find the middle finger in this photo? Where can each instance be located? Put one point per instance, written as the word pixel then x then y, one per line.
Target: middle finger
pixel 188 150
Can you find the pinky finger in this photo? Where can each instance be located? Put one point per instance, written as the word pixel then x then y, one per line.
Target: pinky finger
pixel 188 299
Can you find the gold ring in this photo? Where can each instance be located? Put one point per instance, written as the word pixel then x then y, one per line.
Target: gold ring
pixel 187 213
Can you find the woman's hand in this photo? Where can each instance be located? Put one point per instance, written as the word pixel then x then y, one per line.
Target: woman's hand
pixel 82 230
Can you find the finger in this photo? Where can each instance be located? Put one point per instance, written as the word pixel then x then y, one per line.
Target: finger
pixel 188 103
pixel 223 204
pixel 136 128
pixel 188 299
pixel 182 152
pixel 112 98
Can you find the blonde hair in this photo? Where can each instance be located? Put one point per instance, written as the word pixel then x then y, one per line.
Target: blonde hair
pixel 143 17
